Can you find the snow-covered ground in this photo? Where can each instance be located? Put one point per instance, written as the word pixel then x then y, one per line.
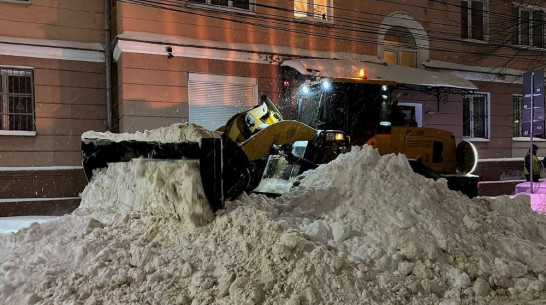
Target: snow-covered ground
pixel 363 229
pixel 14 224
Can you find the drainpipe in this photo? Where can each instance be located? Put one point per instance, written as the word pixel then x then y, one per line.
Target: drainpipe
pixel 108 61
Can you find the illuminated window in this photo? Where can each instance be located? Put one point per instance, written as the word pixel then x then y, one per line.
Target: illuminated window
pixel 528 26
pixel 241 4
pixel 16 99
pixel 317 9
pixel 400 47
pixel 476 116
pixel 473 19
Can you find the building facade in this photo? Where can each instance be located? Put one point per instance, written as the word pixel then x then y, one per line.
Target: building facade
pixel 203 60
pixel 52 89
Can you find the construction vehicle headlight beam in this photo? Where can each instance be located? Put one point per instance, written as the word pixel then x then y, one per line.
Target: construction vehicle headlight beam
pixel 304 89
pixel 326 84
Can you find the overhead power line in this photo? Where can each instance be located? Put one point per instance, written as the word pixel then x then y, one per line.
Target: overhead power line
pixel 280 22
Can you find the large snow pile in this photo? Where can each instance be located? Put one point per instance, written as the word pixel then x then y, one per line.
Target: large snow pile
pixel 363 229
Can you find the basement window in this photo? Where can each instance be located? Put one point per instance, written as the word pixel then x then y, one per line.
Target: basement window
pixel 16 101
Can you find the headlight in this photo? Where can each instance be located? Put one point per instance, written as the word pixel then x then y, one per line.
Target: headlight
pixel 335 136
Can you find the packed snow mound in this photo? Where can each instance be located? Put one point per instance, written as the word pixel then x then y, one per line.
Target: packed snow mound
pixel 179 132
pixel 157 187
pixel 363 229
pixel 382 214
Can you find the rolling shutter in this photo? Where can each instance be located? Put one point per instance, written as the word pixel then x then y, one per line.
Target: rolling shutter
pixel 214 99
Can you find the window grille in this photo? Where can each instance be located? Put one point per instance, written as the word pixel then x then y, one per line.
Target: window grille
pixel 16 99
pixel 475 116
pixel 516 116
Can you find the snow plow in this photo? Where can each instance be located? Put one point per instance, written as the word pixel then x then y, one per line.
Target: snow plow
pixel 255 151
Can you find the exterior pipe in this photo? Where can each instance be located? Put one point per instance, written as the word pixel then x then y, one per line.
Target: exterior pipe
pixel 108 61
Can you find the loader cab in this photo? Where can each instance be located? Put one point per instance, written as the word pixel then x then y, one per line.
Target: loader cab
pixel 360 108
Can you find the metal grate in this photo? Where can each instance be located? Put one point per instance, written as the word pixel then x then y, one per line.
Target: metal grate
pixel 16 99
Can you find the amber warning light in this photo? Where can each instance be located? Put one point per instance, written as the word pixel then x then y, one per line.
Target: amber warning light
pixel 362 73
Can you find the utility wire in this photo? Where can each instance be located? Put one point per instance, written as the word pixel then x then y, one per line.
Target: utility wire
pixel 168 6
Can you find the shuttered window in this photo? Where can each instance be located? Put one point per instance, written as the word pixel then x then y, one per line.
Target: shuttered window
pixel 213 99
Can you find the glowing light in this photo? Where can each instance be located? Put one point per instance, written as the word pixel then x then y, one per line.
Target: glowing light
pixel 385 123
pixel 384 88
pixel 326 85
pixel 362 73
pixel 305 89
pixel 384 97
pixel 286 83
pixel 339 136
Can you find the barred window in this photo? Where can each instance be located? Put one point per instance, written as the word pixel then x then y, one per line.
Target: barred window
pixel 16 99
pixel 475 116
pixel 516 116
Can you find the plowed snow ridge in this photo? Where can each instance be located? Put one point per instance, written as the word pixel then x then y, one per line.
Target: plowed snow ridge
pixel 363 229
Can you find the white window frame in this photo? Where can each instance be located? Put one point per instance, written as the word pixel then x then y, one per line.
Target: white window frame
pixel 208 5
pixel 530 9
pixel 418 111
pixel 310 14
pixel 399 51
pixel 17 1
pixel 405 20
pixel 485 20
pixel 472 136
pixel 517 116
pixel 4 98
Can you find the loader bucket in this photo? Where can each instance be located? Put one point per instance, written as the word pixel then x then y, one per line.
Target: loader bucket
pixel 223 164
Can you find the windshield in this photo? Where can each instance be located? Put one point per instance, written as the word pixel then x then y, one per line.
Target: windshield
pixel 356 108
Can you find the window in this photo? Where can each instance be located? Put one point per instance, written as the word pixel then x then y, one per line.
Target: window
pixel 475 116
pixel 516 116
pixel 472 19
pixel 528 26
pixel 317 9
pixel 16 99
pixel 400 47
pixel 240 4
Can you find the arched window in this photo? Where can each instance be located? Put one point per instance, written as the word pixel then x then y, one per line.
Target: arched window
pixel 403 41
pixel 400 47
